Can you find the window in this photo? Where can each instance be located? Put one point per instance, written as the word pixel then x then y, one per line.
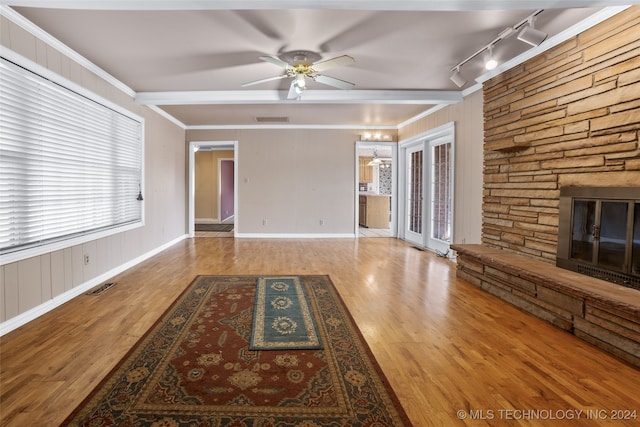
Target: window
pixel 70 166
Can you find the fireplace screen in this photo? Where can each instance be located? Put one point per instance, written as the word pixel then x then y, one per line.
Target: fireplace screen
pixel 599 233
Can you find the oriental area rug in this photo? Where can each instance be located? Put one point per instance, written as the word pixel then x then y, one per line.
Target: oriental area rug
pixel 194 368
pixel 282 318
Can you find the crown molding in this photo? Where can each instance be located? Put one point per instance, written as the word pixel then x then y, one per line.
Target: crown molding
pixel 167 116
pixel 289 127
pixel 388 5
pixel 38 32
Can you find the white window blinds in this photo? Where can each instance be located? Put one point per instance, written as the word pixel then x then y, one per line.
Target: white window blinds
pixel 69 166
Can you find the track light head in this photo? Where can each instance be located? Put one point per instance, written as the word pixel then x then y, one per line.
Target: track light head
pixel 530 35
pixel 457 78
pixel 490 63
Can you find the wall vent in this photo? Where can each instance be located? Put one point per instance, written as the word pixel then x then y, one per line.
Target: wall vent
pixel 276 119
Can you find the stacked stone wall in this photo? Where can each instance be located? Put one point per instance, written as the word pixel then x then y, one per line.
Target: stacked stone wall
pixel 568 117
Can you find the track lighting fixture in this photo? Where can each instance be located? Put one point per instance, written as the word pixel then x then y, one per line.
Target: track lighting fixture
pixel 530 35
pixel 491 63
pixel 457 78
pixel 527 34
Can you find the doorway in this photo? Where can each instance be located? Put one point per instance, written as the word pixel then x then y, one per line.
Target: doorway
pixel 220 185
pixel 376 187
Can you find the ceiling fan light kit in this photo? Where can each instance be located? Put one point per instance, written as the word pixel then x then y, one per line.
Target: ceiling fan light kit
pixel 302 64
pixel 528 34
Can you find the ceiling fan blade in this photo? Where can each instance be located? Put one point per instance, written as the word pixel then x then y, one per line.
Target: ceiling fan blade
pixel 332 81
pixel 273 28
pixel 338 61
pixel 293 93
pixel 268 79
pixel 276 61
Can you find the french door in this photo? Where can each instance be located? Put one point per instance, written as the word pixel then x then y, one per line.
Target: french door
pixel 440 195
pixel 428 193
pixel 414 194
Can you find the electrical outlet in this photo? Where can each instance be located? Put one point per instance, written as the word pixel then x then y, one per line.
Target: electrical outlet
pixel 264 221
pixel 322 222
pixel 86 259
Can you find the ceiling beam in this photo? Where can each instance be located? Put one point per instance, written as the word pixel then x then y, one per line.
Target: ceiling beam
pixel 417 97
pixel 425 5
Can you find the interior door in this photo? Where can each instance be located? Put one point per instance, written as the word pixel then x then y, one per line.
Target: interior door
pixel 226 190
pixel 414 194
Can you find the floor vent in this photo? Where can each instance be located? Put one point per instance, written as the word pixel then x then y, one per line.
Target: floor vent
pixel 102 288
pixel 418 248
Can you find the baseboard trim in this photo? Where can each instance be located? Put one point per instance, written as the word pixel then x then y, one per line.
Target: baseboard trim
pixel 29 315
pixel 295 236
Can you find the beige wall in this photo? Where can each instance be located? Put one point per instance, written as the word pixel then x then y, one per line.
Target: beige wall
pixel 207 177
pixel 568 117
pixel 292 179
pixel 33 283
pixel 468 120
pixel 295 178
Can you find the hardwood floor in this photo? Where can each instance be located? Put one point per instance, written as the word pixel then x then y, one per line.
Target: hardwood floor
pixel 445 345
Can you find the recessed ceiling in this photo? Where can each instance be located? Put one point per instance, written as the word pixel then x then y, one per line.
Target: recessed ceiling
pixel 192 63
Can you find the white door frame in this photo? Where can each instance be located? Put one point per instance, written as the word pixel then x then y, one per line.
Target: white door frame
pixel 423 139
pixel 220 145
pixel 394 183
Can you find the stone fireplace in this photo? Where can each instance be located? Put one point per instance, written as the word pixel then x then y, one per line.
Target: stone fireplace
pixel 561 186
pixel 599 233
pixel 567 118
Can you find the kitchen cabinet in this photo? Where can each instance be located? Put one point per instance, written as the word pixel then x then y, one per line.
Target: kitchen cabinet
pixel 374 210
pixel 366 172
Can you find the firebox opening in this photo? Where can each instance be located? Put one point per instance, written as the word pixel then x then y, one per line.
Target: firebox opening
pixel 599 233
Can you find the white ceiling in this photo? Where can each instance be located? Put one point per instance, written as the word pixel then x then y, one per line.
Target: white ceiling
pixel 190 58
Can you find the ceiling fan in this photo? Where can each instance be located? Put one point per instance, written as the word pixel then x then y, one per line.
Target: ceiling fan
pixel 302 64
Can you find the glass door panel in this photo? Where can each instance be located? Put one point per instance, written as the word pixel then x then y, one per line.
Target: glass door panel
pixel 440 199
pixel 415 194
pixel 582 234
pixel 613 234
